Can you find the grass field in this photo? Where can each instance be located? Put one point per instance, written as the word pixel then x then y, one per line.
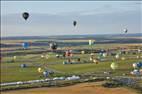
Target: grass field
pixel 11 71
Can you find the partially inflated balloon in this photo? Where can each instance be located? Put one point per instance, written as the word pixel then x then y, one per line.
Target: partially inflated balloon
pixel 114 66
pixel 25 15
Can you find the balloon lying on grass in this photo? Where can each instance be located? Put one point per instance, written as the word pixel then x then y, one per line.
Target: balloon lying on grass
pixel 25 15
pixel 114 66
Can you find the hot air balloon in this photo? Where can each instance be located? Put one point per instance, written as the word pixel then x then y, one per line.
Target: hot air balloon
pixel 45 73
pixel 64 62
pixel 114 65
pixel 134 65
pixel 25 45
pixel 91 42
pixel 14 58
pixel 53 46
pixel 39 70
pixel 137 65
pixel 82 52
pixel 104 54
pixel 25 15
pixel 135 72
pixel 125 30
pixel 74 23
pixel 117 56
pixel 23 65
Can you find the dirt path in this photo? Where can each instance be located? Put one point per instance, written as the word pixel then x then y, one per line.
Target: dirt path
pixel 85 88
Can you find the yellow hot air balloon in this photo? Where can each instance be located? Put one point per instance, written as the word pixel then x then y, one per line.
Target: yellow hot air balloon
pixel 40 70
pixel 114 65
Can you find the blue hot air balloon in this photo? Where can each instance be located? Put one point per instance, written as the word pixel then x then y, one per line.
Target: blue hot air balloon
pixel 25 45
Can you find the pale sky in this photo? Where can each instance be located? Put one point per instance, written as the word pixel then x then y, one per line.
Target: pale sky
pixel 56 17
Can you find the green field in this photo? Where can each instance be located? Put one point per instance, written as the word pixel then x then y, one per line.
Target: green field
pixel 11 71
